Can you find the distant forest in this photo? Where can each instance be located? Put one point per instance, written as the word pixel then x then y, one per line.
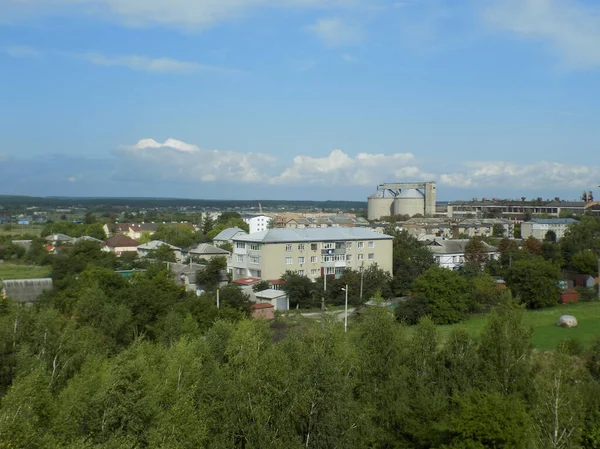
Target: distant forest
pixel 9 200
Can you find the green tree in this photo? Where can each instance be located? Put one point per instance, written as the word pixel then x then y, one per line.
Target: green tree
pixel 95 230
pixel 550 236
pixel 581 236
pixel 299 289
pixel 475 251
pixel 498 230
pixel 534 282
pixel 260 286
pixel 411 258
pixel 163 253
pixel 446 294
pixel 585 262
pixel 532 246
pixel 209 277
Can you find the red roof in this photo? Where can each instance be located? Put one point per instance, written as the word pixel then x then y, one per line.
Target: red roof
pixel 121 241
pixel 277 282
pixel 247 281
pixel 262 305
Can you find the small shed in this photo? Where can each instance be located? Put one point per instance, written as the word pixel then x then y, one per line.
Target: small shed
pixel 277 298
pixel 25 290
pixel 263 310
pixel 569 295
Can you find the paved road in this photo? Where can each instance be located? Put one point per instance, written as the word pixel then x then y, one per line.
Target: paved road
pixel 336 314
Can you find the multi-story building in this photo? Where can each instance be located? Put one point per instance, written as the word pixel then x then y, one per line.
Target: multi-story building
pixel 513 209
pixel 310 252
pixel 539 227
pixel 257 223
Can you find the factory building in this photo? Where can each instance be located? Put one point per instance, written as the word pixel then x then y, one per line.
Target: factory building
pixel 404 198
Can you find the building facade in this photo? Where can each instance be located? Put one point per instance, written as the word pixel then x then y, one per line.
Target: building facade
pixel 309 252
pixel 450 254
pixel 257 223
pixel 513 209
pixel 539 227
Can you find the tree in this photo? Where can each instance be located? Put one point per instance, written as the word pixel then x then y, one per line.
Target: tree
pixel 534 282
pixel 260 286
pixel 299 289
pixel 89 218
pixel 532 246
pixel 585 262
pixel 178 235
pixel 163 253
pixel 95 230
pixel 209 277
pixel 475 251
pixel 411 258
pixel 498 230
pixel 550 236
pixel 581 236
pixel 207 224
pixel 446 294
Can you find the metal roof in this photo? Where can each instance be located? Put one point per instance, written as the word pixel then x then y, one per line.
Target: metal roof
pixel 207 248
pixel 270 293
pixel 456 246
pixel 155 244
pixel 552 221
pixel 227 234
pixel 286 235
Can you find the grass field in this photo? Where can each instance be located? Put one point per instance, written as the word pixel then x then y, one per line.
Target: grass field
pixel 16 230
pixel 546 335
pixel 15 271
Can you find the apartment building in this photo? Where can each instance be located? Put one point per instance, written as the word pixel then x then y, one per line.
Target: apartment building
pixel 311 252
pixel 539 227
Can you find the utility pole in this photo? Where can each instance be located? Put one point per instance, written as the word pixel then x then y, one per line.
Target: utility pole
pixel 346 311
pixel 362 275
pixel 324 287
pixel 218 299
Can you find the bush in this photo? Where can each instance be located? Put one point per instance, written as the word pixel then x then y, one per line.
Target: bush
pixel 412 310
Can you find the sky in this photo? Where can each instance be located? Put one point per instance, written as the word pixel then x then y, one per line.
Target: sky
pixel 299 99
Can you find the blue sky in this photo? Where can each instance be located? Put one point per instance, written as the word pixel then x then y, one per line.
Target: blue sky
pixel 298 99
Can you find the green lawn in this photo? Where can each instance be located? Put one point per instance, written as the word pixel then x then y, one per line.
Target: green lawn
pixel 16 271
pixel 15 230
pixel 546 335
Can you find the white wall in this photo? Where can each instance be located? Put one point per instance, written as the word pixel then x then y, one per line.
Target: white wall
pixel 258 223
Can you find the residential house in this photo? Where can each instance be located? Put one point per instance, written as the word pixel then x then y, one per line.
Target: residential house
pixel 87 238
pixel 451 253
pixel 227 235
pixel 145 248
pixel 257 223
pixel 120 244
pixel 539 227
pixel 56 239
pixel 204 251
pixel 310 252
pixel 137 231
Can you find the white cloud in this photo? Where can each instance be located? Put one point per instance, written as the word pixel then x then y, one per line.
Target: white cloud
pixel 350 58
pixel 539 176
pixel 180 161
pixel 72 179
pixel 151 64
pixel 334 32
pixel 338 168
pixel 186 14
pixel 571 27
pixel 22 51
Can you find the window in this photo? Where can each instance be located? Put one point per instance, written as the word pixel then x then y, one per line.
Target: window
pixel 314 272
pixel 330 270
pixel 314 259
pixel 360 245
pixel 371 256
pixel 301 247
pixel 288 260
pixel 313 246
pixel 371 244
pixel 329 245
pixel 361 256
pixel 240 257
pixel 300 259
pixel 255 246
pixel 254 260
pixel 288 247
pixel 348 244
pixel 349 257
pixel 301 272
pixel 240 245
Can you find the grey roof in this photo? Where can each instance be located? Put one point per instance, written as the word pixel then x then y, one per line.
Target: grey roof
pixel 208 249
pixel 59 238
pixel 87 238
pixel 456 246
pixel 227 234
pixel 155 244
pixel 284 235
pixel 270 293
pixel 26 290
pixel 552 220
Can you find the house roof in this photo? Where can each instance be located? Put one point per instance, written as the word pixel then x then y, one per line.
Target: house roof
pixel 246 281
pixel 121 241
pixel 207 249
pixel 554 221
pixel 456 246
pixel 87 238
pixel 286 235
pixel 270 294
pixel 155 244
pixel 144 227
pixel 262 305
pixel 59 238
pixel 228 234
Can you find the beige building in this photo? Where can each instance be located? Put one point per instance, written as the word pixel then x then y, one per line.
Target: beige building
pixel 539 227
pixel 309 252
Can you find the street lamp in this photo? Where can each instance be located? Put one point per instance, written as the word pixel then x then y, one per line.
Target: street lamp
pixel 346 309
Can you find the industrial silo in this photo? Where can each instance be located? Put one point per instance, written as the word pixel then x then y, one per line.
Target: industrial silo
pixel 409 202
pixel 380 205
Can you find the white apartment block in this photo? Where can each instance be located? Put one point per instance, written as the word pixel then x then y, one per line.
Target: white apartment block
pixel 258 223
pixel 539 227
pixel 309 252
